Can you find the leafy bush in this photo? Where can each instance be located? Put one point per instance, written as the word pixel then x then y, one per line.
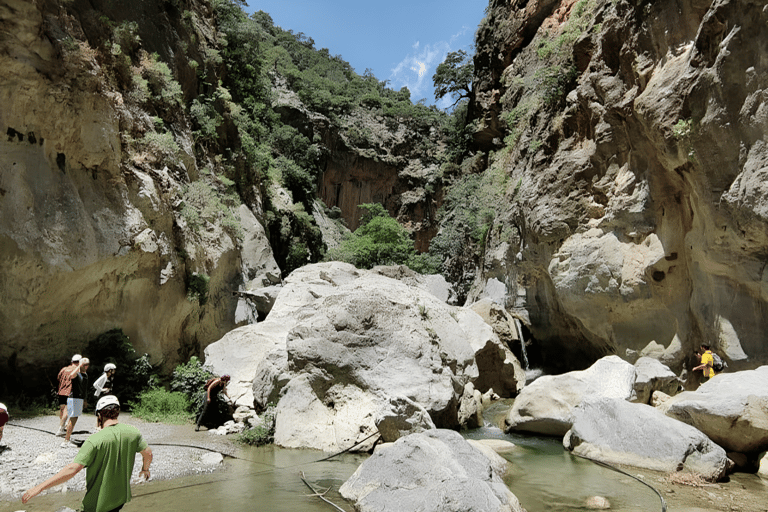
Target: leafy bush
pixel 263 433
pixel 203 203
pixel 197 287
pixel 161 405
pixel 381 240
pixel 189 378
pixel 165 90
pixel 161 143
pixel 468 211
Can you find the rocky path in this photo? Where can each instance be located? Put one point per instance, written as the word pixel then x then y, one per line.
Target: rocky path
pixel 30 453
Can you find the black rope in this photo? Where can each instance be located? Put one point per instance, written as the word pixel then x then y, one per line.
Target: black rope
pixel 614 468
pixel 78 442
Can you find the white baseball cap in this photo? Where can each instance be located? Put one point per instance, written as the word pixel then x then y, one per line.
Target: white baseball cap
pixel 3 407
pixel 107 400
pixel 109 366
pixel 76 358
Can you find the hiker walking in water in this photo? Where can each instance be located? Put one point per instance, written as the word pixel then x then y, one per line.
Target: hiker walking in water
pixel 212 388
pixel 65 388
pixel 108 457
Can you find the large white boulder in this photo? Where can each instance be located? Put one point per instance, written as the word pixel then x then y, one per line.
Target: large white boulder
pixel 619 432
pixel 731 409
pixel 546 405
pixel 343 347
pixel 435 471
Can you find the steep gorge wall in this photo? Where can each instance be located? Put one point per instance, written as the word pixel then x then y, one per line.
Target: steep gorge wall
pixel 90 235
pixel 636 210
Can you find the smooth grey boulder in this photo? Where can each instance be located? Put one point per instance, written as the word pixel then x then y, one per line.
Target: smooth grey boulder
pixel 619 432
pixel 343 350
pixel 652 375
pixel 401 417
pixel 546 405
pixel 730 408
pixel 435 471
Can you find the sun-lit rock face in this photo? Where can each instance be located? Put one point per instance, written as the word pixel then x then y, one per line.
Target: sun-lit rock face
pixel 637 207
pixel 90 236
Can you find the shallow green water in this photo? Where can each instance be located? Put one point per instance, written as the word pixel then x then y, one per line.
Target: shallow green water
pixel 543 476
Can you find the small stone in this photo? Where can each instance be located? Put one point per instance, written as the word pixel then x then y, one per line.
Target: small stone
pixel 597 503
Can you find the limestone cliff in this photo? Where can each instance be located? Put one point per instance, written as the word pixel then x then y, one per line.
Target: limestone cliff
pixel 634 136
pixel 93 234
pixel 143 172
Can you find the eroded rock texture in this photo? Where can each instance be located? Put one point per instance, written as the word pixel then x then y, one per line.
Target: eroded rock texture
pixel 90 233
pixel 637 153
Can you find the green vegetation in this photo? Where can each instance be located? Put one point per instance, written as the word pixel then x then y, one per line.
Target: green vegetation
pixel 469 210
pixel 578 23
pixel 212 200
pixel 161 405
pixel 263 433
pixel 454 76
pixel 197 287
pixel 381 240
pixel 682 129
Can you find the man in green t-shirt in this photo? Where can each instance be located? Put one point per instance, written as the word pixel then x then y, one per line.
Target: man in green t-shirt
pixel 109 456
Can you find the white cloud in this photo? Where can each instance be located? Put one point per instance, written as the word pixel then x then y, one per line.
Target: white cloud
pixel 416 69
pixel 420 69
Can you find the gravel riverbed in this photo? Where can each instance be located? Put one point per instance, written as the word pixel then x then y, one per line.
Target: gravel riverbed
pixel 30 453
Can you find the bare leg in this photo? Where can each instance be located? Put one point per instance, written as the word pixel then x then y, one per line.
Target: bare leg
pixel 70 428
pixel 63 416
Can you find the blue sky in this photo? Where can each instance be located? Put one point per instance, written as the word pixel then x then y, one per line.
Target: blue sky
pixel 401 41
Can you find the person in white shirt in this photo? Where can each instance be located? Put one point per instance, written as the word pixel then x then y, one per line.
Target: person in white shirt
pixel 103 384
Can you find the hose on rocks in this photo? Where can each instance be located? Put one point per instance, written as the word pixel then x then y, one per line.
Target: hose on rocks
pixel 614 468
pixel 78 442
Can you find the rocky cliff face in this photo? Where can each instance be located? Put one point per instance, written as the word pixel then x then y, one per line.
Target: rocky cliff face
pixel 635 136
pixel 91 234
pixel 370 159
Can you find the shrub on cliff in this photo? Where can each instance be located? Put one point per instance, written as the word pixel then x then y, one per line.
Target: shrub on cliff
pixel 381 240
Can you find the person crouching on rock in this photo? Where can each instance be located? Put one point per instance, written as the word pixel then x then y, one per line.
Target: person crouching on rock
pixel 108 456
pixel 707 363
pixel 212 389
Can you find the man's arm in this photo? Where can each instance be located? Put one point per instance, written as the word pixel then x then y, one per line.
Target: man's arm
pixel 146 461
pixel 73 373
pixel 62 476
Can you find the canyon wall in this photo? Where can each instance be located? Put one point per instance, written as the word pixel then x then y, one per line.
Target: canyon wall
pixel 91 235
pixel 635 138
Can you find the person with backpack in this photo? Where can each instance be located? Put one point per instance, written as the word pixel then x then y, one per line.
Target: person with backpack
pixel 710 363
pixel 213 386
